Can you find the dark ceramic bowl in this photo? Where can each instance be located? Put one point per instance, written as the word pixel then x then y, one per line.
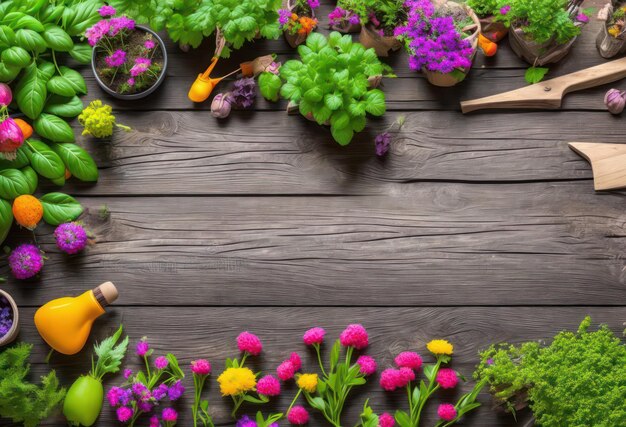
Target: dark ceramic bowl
pixel 134 96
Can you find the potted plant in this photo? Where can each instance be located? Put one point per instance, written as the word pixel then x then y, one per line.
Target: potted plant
pixel 543 32
pixel 377 30
pixel 128 61
pixel 9 319
pixel 491 14
pixel 346 17
pixel 611 39
pixel 333 83
pixel 297 20
pixel 441 40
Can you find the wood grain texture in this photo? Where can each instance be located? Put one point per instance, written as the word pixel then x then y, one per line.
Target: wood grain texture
pixel 211 332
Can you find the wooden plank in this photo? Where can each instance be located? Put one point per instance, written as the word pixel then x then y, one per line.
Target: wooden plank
pixel 210 333
pixel 608 162
pixel 543 243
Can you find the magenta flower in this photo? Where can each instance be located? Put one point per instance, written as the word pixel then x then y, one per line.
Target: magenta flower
pixel 71 237
pixel 95 33
pixel 314 336
pixel 169 415
pixel 286 370
pixel 114 395
pixel 201 367
pixel 409 359
pixel 149 44
pixel 283 16
pixel 119 24
pixel 25 261
pixel 142 347
pixel 6 96
pixel 447 378
pixel 140 390
pixel 124 414
pixel 249 343
pixel 581 17
pixel 355 336
pixel 405 376
pixel 446 411
pixel 127 373
pixel 160 392
pixel 268 386
pixel 295 360
pixel 367 365
pixel 154 421
pixel 175 391
pixel 354 19
pixel 116 59
pixel 131 81
pixel 106 11
pixel 389 379
pixel 298 415
pixel 504 10
pixel 314 4
pixel 11 136
pixel 161 362
pixel 140 67
pixel 386 420
pixel 337 16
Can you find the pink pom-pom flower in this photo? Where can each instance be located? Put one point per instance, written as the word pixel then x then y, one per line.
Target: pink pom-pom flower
pixel 249 343
pixel 355 336
pixel 409 359
pixel 389 379
pixel 201 367
pixel 124 413
pixel 314 336
pixel 169 415
pixel 161 362
pixel 446 411
pixel 405 376
pixel 286 370
pixel 295 360
pixel 447 378
pixel 298 415
pixel 142 347
pixel 268 386
pixel 367 365
pixel 386 420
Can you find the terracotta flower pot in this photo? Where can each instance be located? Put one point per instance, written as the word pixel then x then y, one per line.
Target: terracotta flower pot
pixel 15 328
pixel 370 38
pixel 538 54
pixel 295 40
pixel 451 79
pixel 493 30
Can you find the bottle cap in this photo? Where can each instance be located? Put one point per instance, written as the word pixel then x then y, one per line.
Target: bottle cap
pixel 106 293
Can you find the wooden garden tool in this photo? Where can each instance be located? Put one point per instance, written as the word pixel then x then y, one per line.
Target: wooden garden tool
pixel 608 162
pixel 549 94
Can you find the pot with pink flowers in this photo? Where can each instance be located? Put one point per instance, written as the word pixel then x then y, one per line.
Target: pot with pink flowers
pixel 129 61
pixel 345 17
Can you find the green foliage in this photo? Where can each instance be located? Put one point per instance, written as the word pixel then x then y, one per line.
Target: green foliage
pixel 20 400
pixel 535 74
pixel 59 208
pixel 543 20
pixel 578 380
pixel 389 12
pixel 109 355
pixel 330 83
pixel 485 8
pixel 269 86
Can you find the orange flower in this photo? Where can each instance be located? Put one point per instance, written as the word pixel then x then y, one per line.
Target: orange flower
pixel 307 25
pixel 27 211
pixel 294 16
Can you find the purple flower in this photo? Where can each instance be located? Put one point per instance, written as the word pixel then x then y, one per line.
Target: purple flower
pixel 6 317
pixel 161 362
pixel 127 373
pixel 140 67
pixel 131 81
pixel 169 415
pixel 142 347
pixel 97 31
pixel 581 17
pixel 124 414
pixel 246 421
pixel 490 361
pixel 139 389
pixel 314 4
pixel 283 16
pixel 118 24
pixel 11 136
pixel 154 421
pixel 71 237
pixel 25 261
pixel 114 396
pixel 337 16
pixel 116 59
pixel 274 68
pixel 244 92
pixel 160 392
pixel 106 10
pixel 175 391
pixel 149 44
pixel 354 19
pixel 382 142
pixel 145 406
pixel 504 10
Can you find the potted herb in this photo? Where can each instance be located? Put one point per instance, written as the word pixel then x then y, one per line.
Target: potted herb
pixel 377 30
pixel 441 40
pixel 611 39
pixel 297 20
pixel 543 32
pixel 129 61
pixel 9 319
pixel 346 17
pixel 491 14
pixel 331 84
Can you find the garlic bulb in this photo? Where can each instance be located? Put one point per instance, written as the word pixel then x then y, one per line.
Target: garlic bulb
pixel 614 101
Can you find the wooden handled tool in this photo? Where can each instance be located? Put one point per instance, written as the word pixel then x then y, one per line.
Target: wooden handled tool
pixel 608 162
pixel 549 94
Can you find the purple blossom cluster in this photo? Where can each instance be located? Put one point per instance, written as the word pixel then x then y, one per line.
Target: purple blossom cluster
pixel 283 16
pixel 243 93
pixel 433 41
pixel 6 317
pixel 71 237
pixel 141 66
pixel 116 59
pixel 340 16
pixel 25 261
pixel 246 421
pixel 108 27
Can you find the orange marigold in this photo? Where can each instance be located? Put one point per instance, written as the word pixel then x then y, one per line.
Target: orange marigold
pixel 307 25
pixel 27 211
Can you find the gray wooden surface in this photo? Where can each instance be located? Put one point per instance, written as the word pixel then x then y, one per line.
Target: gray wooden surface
pixel 478 228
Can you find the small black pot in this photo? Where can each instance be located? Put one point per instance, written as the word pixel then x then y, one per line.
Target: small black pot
pixel 134 96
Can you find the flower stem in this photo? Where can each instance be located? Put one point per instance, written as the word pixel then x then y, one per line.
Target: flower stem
pixel 319 359
pixel 294 400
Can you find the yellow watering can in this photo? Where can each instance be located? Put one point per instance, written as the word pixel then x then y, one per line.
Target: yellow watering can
pixel 203 86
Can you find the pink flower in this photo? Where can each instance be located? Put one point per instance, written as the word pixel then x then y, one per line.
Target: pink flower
pixel 201 367
pixel 581 17
pixel 386 420
pixel 249 343
pixel 314 336
pixel 149 44
pixel 144 406
pixel 314 4
pixel 505 9
pixel 169 415
pixel 97 31
pixel 355 336
pixel 409 359
pixel 367 365
pixel 446 411
pixel 6 96
pixel 154 421
pixel 268 386
pixel 285 370
pixel 389 379
pixel 118 24
pixel 11 136
pixel 405 376
pixel 161 362
pixel 106 10
pixel 140 67
pixel 116 59
pixel 354 19
pixel 140 390
pixel 131 81
pixel 298 415
pixel 114 395
pixel 295 360
pixel 142 347
pixel 127 373
pixel 447 378
pixel 124 413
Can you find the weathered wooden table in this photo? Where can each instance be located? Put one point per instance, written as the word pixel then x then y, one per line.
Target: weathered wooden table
pixel 476 228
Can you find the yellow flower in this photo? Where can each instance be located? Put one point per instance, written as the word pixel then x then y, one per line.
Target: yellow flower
pixel 440 347
pixel 308 382
pixel 234 381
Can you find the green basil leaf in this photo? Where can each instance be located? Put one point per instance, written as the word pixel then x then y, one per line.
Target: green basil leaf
pixel 31 178
pixel 20 161
pixel 79 17
pixel 77 161
pixel 59 208
pixel 7 37
pixel 46 69
pixel 340 119
pixel 64 107
pixel 60 181
pixel 16 56
pixel 8 72
pixel 29 23
pixel 6 219
pixel 51 13
pixel 31 92
pixel 44 160
pixel 53 128
pixel 316 41
pixel 30 40
pixel 357 123
pixel 81 52
pixel 375 102
pixel 61 86
pixel 11 18
pixel 75 79
pixel 57 39
pixel 13 184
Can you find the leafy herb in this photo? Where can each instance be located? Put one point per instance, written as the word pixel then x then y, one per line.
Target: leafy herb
pixel 485 8
pixel 109 355
pixel 577 380
pixel 543 20
pixel 382 13
pixel 535 74
pixel 330 83
pixel 21 400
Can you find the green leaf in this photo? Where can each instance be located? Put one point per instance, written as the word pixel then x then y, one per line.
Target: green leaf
pixel 53 128
pixel 59 208
pixel 535 74
pixel 19 162
pixel 30 40
pixel 375 102
pixel 64 107
pixel 80 16
pixel 28 22
pixel 269 86
pixel 31 92
pixel 6 219
pixel 109 355
pixel 76 80
pixel 321 114
pixel 316 41
pixel 7 37
pixel 334 101
pixel 402 418
pixel 357 123
pixel 77 161
pixel 16 56
pixel 343 136
pixel 59 85
pixel 314 94
pixel 429 371
pixel 31 178
pixel 340 119
pixel 334 355
pixel 8 72
pixel 81 52
pixel 46 69
pixel 57 39
pixel 291 92
pixel 44 160
pixel 13 183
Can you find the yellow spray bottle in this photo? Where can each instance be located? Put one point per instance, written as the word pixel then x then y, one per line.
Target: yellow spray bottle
pixel 65 323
